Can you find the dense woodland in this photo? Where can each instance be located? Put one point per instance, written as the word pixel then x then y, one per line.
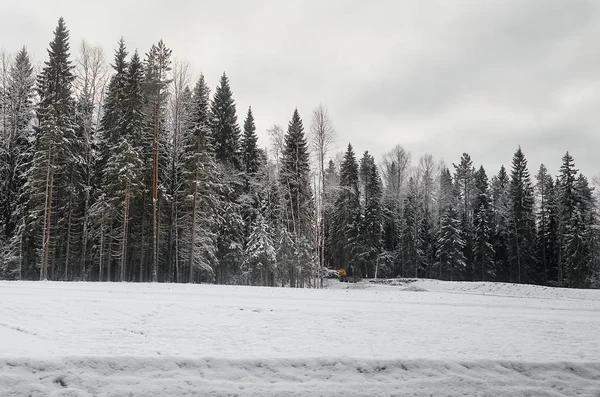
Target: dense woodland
pixel 132 172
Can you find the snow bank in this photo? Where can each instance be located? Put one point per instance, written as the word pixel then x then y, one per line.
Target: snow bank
pixel 137 377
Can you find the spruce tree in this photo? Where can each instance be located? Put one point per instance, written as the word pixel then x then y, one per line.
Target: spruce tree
pixel 298 198
pixel 372 215
pixel 566 202
pixel 578 236
pixel 347 217
pixel 483 251
pixel 521 219
pixel 124 171
pixel 450 246
pixel 501 209
pixel 225 130
pixel 226 146
pixel 249 146
pixel 55 150
pixel 412 229
pixel 200 201
pixel 544 243
pixel 14 161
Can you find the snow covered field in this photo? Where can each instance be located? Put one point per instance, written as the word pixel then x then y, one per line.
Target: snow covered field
pixel 405 339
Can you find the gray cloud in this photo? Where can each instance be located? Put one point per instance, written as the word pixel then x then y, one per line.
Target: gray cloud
pixel 435 76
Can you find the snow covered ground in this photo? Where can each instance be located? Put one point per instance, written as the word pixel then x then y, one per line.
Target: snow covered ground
pixel 392 338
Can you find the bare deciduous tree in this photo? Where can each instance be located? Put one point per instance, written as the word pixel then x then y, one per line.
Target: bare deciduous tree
pixel 91 73
pixel 322 139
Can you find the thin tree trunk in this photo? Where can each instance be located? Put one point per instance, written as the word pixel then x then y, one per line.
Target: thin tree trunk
pixel 155 200
pixel 124 237
pixel 193 230
pixel 47 215
pixel 101 262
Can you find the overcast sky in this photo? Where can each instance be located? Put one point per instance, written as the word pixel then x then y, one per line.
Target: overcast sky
pixel 439 77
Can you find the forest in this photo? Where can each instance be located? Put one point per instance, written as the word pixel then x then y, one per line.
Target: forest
pixel 132 172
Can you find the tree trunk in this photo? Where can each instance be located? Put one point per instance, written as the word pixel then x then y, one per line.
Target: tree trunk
pixel 47 215
pixel 155 199
pixel 124 236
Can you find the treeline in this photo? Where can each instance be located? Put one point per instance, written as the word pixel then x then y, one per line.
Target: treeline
pixel 139 175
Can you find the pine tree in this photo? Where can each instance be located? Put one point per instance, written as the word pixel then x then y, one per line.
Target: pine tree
pixel 521 219
pixel 14 162
pixel 483 252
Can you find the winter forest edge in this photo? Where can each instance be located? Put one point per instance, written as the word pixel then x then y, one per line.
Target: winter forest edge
pixel 135 174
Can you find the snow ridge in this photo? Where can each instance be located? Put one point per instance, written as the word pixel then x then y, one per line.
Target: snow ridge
pixel 145 377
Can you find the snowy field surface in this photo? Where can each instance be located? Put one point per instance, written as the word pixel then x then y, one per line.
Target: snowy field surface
pixel 391 338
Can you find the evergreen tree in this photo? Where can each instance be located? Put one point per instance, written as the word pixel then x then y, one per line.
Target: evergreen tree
pixel 15 157
pixel 566 203
pixel 347 218
pixel 450 245
pixel 483 251
pixel 200 202
pixel 372 215
pixel 299 206
pixel 156 139
pixel 501 209
pixel 124 170
pixel 578 236
pixel 521 220
pixel 107 140
pixel 249 146
pixel 545 222
pixel 226 133
pixel 54 152
pixel 411 229
pixel 226 146
pixel 464 180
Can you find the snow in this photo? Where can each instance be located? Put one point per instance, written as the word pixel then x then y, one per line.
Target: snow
pixel 393 337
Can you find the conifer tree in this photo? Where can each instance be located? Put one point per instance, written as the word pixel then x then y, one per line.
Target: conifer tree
pixel 54 149
pixel 521 219
pixel 566 202
pixel 226 132
pixel 14 161
pixel 347 217
pixel 200 190
pixel 412 242
pixel 483 252
pixel 124 170
pixel 372 214
pixel 501 209
pixel 226 146
pixel 298 198
pixel 544 243
pixel 450 245
pixel 157 67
